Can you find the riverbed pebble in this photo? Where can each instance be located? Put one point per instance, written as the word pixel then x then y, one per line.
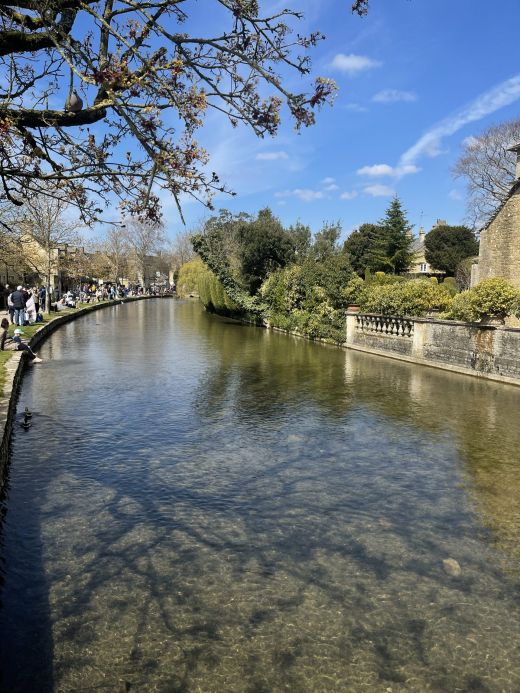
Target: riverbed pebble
pixel 452 567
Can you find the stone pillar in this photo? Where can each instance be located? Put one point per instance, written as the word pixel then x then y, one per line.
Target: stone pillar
pixel 474 274
pixel 419 336
pixel 351 325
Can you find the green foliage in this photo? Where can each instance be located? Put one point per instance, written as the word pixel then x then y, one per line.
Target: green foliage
pixel 354 291
pixel 310 297
pixel 398 238
pixel 239 297
pixel 415 297
pixel 382 247
pixel 213 295
pixel 250 248
pixel 189 275
pixel 450 285
pixel 492 298
pixel 300 237
pixel 383 278
pixel 284 291
pixel 263 245
pixel 366 248
pixel 446 246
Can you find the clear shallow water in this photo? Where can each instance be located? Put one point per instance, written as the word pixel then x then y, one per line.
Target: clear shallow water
pixel 203 506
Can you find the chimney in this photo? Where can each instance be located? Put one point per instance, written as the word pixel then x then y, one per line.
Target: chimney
pixel 516 148
pixel 421 234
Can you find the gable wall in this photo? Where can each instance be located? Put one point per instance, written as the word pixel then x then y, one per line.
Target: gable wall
pixel 499 254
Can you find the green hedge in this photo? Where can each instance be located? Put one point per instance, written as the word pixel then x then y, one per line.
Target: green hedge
pixel 491 298
pixel 415 297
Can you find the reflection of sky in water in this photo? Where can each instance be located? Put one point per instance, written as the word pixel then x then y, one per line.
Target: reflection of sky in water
pixel 202 506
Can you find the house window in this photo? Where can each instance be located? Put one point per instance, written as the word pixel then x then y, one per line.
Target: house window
pixel 423 267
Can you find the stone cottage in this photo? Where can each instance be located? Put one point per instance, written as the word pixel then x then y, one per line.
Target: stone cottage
pixel 419 266
pixel 499 254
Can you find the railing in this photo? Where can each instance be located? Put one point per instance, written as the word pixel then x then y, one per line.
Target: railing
pixel 381 324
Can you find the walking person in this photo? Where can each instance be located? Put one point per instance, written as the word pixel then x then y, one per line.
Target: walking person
pixel 18 301
pixel 10 307
pixel 30 309
pixel 42 294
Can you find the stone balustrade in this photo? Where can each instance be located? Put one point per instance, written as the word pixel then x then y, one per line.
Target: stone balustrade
pixel 398 327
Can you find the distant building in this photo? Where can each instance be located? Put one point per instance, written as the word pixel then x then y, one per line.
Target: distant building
pixel 499 253
pixel 419 266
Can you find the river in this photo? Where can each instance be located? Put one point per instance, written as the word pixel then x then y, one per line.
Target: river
pixel 205 506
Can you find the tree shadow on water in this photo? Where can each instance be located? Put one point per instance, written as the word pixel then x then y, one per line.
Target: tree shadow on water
pixel 26 643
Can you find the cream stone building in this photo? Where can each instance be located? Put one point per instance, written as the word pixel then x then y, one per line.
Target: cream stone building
pixel 419 266
pixel 499 254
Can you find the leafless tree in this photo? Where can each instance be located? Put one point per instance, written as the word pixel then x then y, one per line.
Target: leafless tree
pixel 181 249
pixel 144 239
pixel 44 233
pixel 489 169
pixel 116 248
pixel 131 68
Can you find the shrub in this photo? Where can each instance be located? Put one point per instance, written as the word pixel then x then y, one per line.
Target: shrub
pixel 383 278
pixel 411 298
pixel 284 290
pixel 492 298
pixel 354 291
pixel 450 285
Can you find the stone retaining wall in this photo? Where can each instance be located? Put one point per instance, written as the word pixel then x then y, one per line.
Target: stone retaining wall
pixel 485 351
pixel 15 368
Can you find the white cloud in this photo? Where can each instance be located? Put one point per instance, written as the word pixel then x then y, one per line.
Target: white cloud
pixel 393 96
pixel 303 194
pixel 272 156
pixel 455 195
pixel 430 144
pixel 376 170
pixel 348 195
pixel 328 181
pixel 379 190
pixel 379 170
pixel 355 107
pixel 353 64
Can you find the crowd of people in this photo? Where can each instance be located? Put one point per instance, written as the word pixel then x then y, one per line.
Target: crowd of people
pixel 24 306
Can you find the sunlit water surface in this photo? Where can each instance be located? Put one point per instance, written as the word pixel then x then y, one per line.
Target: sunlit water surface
pixel 204 506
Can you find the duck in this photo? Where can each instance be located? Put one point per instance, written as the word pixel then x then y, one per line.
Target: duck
pixel 25 424
pixel 27 414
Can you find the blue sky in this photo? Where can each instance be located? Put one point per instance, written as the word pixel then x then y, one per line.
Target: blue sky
pixel 416 78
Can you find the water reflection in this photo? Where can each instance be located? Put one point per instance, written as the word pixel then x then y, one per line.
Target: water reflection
pixel 207 506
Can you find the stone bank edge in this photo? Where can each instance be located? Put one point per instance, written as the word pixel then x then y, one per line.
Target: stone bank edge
pixel 484 351
pixel 487 352
pixel 15 368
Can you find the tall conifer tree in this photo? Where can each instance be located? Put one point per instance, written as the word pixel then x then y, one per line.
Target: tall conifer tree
pixel 398 235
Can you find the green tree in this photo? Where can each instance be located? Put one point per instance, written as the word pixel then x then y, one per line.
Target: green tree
pixel 366 248
pixel 263 245
pixel 248 247
pixel 300 236
pixel 446 246
pixel 398 237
